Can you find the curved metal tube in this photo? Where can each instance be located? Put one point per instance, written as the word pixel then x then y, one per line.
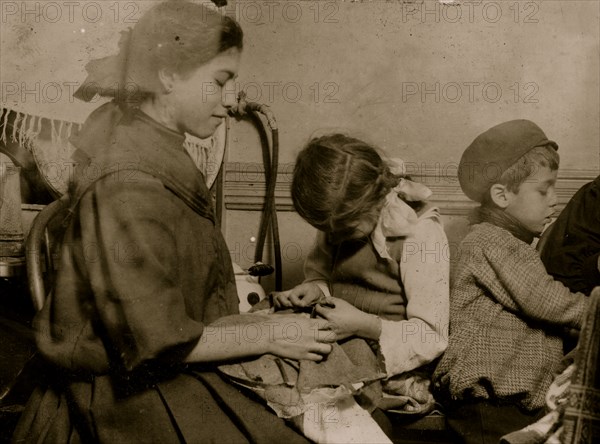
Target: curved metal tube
pixel 271 164
pixel 38 234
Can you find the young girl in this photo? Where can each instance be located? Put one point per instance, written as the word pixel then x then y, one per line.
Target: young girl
pixel 380 246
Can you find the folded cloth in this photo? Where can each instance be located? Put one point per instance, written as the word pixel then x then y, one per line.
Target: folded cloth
pixel 544 429
pixel 291 388
pixel 343 422
pixel 408 394
pixel 352 369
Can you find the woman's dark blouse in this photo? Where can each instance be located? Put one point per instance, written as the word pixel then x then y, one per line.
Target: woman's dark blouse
pixel 140 272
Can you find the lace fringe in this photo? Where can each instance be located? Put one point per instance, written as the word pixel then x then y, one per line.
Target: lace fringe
pixel 199 152
pixel 27 127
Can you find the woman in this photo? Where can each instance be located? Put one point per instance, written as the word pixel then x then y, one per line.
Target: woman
pixel 132 330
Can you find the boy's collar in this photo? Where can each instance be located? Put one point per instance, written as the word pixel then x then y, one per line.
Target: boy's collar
pixel 502 219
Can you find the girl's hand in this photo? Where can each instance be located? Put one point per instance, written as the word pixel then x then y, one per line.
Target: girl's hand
pixel 302 295
pixel 298 337
pixel 346 320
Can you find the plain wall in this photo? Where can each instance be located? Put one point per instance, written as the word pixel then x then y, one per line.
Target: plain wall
pixel 372 64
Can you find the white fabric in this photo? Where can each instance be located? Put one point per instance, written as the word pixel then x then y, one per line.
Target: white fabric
pixel 342 422
pixel 208 153
pixel 424 270
pixel 397 218
pixel 322 284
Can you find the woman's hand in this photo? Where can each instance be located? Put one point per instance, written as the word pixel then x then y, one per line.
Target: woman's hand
pixel 288 336
pixel 346 320
pixel 298 337
pixel 302 295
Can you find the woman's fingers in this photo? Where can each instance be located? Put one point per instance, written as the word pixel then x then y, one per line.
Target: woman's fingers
pixel 295 298
pixel 327 335
pixel 324 312
pixel 288 299
pixel 301 337
pixel 281 299
pixel 302 295
pixel 318 323
pixel 323 330
pixel 319 352
pixel 323 349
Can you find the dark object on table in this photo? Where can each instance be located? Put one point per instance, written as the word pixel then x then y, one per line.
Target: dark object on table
pixel 260 269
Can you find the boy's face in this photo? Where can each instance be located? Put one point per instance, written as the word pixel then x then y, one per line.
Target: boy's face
pixel 534 203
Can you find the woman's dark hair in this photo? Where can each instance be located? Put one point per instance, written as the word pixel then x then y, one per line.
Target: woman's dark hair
pixel 183 35
pixel 338 181
pixel 175 35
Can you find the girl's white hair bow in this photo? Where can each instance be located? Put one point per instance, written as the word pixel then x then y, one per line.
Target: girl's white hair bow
pixel 397 218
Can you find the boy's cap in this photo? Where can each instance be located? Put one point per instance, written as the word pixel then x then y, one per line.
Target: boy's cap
pixel 494 151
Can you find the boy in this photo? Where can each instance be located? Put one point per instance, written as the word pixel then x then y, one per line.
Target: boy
pixel 506 312
pixel 572 249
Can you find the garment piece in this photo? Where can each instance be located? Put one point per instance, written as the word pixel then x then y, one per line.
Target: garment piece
pixel 507 316
pixel 293 389
pixel 545 428
pixel 572 248
pixel 329 401
pixel 342 422
pixel 143 269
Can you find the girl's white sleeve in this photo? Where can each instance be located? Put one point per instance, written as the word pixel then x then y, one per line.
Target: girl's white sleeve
pixel 424 270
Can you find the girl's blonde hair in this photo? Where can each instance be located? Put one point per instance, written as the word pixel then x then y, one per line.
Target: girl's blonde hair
pixel 338 181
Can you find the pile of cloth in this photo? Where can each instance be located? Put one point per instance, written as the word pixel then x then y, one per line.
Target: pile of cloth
pixel 573 399
pixel 332 400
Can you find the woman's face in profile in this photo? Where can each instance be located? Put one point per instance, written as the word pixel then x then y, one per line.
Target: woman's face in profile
pixel 201 98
